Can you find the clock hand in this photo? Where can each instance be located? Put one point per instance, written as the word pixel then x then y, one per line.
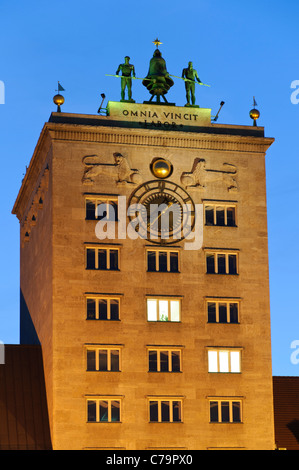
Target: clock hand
pixel 160 214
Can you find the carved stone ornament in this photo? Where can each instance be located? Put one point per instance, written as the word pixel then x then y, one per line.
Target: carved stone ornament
pixel 120 170
pixel 200 176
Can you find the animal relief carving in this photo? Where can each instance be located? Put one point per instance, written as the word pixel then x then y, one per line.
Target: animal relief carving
pixel 200 176
pixel 120 170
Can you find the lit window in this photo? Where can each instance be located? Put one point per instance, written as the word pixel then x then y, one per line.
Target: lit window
pixel 162 309
pixel 105 359
pixel 221 263
pixel 102 258
pixel 222 215
pixel 164 360
pixel 165 410
pixel 164 261
pixel 224 360
pixel 225 411
pixel 100 207
pixel 103 410
pixel 222 311
pixel 102 308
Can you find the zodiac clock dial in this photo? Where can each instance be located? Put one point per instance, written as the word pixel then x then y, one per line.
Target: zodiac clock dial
pixel 161 211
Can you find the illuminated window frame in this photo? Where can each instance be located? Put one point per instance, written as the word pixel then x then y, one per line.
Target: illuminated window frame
pixel 222 205
pixel 170 314
pixel 227 301
pixel 110 200
pixel 222 360
pixel 96 298
pixel 168 252
pixel 169 350
pixel 101 399
pixel 218 402
pixel 108 249
pixel 215 254
pixel 171 401
pixel 97 349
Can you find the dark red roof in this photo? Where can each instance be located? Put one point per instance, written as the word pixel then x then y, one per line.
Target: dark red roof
pixel 24 423
pixel 286 412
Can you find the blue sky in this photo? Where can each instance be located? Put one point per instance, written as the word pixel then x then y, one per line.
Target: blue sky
pixel 242 49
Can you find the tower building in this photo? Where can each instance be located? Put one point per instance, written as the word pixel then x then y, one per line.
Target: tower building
pixel 144 275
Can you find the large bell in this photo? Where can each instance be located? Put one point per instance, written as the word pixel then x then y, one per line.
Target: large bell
pixel 157 80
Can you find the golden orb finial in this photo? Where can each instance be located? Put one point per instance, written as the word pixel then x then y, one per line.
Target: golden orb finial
pixel 59 99
pixel 254 113
pixel 161 168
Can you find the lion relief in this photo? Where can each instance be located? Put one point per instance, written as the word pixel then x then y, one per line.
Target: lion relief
pixel 119 169
pixel 200 176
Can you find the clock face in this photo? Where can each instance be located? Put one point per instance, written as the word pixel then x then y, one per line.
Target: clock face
pixel 165 212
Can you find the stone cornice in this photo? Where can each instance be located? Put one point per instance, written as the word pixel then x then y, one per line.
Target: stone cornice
pixel 154 138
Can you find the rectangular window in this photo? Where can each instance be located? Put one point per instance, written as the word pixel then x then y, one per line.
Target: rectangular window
pixel 224 360
pixel 100 207
pixel 165 410
pixel 221 215
pixel 225 411
pixel 102 308
pixel 163 309
pixel 105 359
pixel 102 258
pixel 221 263
pixel 163 261
pixel 222 311
pixel 164 360
pixel 105 410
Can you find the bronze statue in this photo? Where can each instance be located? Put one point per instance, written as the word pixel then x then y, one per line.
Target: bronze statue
pixel 157 80
pixel 190 75
pixel 127 70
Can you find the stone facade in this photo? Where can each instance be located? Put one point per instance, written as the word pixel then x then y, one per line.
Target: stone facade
pixel 219 165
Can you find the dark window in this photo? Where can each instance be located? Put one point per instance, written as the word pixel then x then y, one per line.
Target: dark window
pixel 220 216
pixel 91 309
pixel 153 411
pixel 114 360
pixel 175 361
pixel 221 264
pixel 90 258
pixel 236 411
pixel 114 259
pixel 174 262
pixel 211 312
pixel 151 261
pixel 176 411
pixel 153 361
pixel 102 259
pixel 103 410
pixel 214 412
pixel 165 411
pixel 114 309
pixel 232 263
pixel 164 361
pixel 209 212
pixel 163 261
pixel 103 360
pixel 225 412
pixel 90 210
pixel 115 411
pixel 222 313
pixel 91 411
pixel 210 264
pixel 230 214
pixel 91 360
pixel 233 309
pixel 103 312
